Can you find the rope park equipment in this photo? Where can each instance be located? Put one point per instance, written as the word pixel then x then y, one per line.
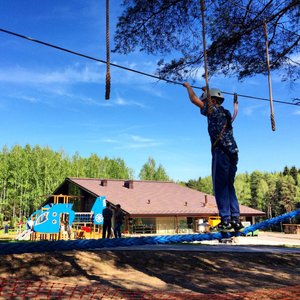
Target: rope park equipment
pixel 108 78
pixel 62 245
pixel 235 101
pixel 269 76
pixel 294 103
pixel 209 101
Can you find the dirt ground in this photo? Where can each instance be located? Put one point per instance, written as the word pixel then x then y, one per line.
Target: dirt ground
pixel 198 272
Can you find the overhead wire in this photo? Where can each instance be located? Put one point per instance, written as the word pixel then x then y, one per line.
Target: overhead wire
pixel 130 69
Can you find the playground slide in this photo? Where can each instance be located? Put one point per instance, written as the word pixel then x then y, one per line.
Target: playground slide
pixel 24 235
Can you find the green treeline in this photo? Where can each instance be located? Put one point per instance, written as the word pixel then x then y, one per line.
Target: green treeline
pixel 273 193
pixel 28 174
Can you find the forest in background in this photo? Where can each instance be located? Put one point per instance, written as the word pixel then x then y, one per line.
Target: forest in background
pixel 274 193
pixel 28 174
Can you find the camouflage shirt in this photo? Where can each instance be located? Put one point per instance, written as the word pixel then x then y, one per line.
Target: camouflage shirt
pixel 216 121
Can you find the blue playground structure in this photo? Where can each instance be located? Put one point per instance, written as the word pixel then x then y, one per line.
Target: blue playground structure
pixel 54 219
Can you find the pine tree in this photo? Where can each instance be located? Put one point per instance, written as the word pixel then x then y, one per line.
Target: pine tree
pixel 235 35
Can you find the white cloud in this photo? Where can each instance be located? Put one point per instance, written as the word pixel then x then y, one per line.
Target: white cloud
pixel 71 74
pixel 122 102
pixel 127 141
pixel 297 112
pixel 125 76
pixel 110 141
pixel 138 145
pixel 135 141
pixel 77 73
pixel 248 111
pixel 62 82
pixel 26 98
pixel 251 109
pixel 56 93
pixel 140 139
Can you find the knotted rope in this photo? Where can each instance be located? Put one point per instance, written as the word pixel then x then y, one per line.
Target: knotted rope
pixel 269 77
pixel 107 81
pixel 50 246
pixel 209 102
pixel 235 106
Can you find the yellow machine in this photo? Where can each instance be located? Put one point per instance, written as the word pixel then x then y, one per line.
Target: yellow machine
pixel 213 221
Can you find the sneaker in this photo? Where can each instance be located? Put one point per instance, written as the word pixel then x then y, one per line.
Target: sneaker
pixel 237 225
pixel 224 226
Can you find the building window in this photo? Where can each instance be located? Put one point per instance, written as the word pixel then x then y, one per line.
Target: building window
pixel 143 225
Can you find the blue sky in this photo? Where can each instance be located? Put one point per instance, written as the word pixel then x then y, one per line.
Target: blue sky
pixel 53 98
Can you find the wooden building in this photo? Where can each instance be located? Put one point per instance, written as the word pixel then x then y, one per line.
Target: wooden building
pixel 153 207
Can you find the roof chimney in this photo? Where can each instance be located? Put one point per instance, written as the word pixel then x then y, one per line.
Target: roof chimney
pixel 103 182
pixel 129 184
pixel 185 203
pixel 205 201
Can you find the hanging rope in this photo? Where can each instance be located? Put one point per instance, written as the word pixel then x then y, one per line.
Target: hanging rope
pixel 235 106
pixel 49 246
pixel 107 81
pixel 209 102
pixel 269 77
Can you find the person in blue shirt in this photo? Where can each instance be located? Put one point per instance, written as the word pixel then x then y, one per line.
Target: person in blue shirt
pixel 224 156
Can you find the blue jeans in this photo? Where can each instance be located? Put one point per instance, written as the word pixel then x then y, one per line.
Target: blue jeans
pixel 117 230
pixel 224 167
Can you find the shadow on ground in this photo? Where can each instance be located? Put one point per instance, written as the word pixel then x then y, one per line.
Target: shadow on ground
pixel 198 272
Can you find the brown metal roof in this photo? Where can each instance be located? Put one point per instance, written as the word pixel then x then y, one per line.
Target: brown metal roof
pixel 153 198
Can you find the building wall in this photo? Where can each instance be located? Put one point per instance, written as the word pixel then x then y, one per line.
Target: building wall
pixel 167 225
